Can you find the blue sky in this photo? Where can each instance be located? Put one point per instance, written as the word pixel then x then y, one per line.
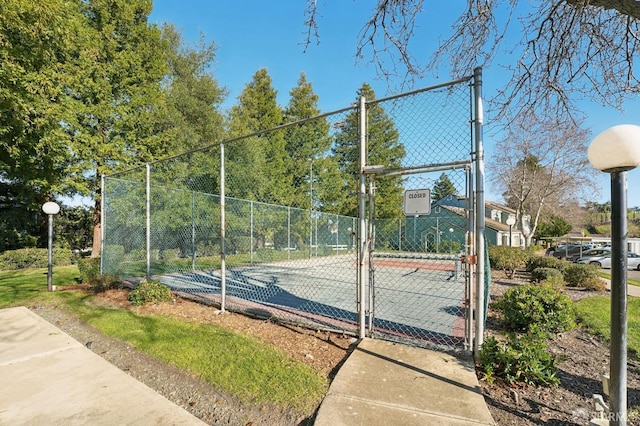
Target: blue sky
pixel 252 34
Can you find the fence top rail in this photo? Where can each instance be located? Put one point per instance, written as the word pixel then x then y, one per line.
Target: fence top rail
pixel 231 140
pixel 424 89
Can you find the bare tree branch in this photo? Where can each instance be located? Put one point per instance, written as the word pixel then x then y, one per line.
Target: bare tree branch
pixel 540 164
pixel 561 51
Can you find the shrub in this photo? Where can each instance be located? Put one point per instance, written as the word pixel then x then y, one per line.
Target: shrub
pixel 550 276
pixel 507 258
pixel 135 255
pixel 539 306
pixel 89 269
pixel 519 359
pixel 150 291
pixel 545 262
pixel 208 249
pixel 584 276
pixel 34 258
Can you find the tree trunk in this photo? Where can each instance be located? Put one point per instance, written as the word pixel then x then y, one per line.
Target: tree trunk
pixel 97 234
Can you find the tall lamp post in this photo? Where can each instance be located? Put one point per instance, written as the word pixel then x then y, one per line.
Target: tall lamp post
pixel 50 209
pixel 511 220
pixel 615 151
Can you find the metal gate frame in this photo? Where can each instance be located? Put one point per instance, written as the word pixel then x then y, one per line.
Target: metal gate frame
pixel 474 257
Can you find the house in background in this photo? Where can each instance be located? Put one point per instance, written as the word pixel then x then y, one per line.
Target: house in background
pixel 497 219
pixel 445 228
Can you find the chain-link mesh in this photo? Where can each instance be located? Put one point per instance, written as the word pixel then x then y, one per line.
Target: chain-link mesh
pixel 419 285
pixel 266 223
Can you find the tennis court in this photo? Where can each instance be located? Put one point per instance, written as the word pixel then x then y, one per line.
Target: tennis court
pixel 415 298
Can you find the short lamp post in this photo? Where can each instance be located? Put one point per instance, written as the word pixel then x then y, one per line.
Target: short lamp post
pixel 615 151
pixel 511 220
pixel 450 240
pixel 50 209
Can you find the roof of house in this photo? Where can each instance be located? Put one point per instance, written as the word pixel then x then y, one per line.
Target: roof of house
pixel 492 205
pixel 488 223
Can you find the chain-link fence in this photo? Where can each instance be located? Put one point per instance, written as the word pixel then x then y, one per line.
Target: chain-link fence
pixel 417 259
pixel 273 223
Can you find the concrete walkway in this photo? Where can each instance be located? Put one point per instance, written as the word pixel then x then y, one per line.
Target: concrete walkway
pixel 383 383
pixel 48 378
pixel 632 290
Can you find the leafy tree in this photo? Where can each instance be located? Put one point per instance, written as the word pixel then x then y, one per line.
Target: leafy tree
pixel 443 187
pixel 554 226
pixel 73 227
pixel 191 118
pixel 37 40
pixel 383 147
pixel 541 165
pixel 193 95
pixel 117 94
pixel 558 48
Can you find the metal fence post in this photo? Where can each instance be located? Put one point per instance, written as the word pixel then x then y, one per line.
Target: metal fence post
pixel 362 231
pixel 480 258
pixel 288 233
pixel 102 223
pixel 223 263
pixel 148 220
pixel 251 232
pixel 193 231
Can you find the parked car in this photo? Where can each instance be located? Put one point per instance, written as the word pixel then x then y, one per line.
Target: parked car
pixel 593 254
pixel 633 261
pixel 571 252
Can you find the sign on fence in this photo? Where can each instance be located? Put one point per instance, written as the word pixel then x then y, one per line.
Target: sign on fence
pixel 417 202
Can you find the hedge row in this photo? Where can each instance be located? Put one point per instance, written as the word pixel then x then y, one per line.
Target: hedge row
pixel 545 269
pixel 34 258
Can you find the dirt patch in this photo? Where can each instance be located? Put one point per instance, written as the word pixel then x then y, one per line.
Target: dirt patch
pixel 583 360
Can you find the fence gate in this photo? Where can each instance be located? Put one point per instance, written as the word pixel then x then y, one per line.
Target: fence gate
pixel 418 270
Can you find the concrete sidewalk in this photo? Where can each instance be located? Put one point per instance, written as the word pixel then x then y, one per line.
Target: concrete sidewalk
pixel 632 290
pixel 48 378
pixel 383 383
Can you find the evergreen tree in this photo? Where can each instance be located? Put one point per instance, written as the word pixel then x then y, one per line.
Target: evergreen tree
pixel 258 165
pixel 442 187
pixel 307 144
pixel 555 226
pixel 383 147
pixel 192 117
pixel 37 40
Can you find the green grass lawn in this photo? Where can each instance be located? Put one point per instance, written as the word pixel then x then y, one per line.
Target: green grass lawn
pixel 22 285
pixel 238 364
pixel 607 275
pixel 595 313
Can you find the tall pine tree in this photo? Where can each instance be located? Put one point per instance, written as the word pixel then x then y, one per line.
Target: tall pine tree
pixel 117 92
pixel 383 148
pixel 307 144
pixel 258 166
pixel 442 187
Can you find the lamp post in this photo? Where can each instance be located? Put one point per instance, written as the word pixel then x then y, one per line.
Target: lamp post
pixel 511 220
pixel 50 208
pixel 450 240
pixel 615 151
